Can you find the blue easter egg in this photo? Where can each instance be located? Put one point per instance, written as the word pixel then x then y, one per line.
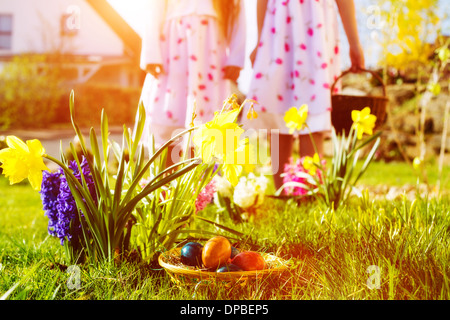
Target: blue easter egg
pixel 234 252
pixel 229 268
pixel 191 254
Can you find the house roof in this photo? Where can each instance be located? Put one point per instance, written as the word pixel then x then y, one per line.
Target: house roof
pixel 129 36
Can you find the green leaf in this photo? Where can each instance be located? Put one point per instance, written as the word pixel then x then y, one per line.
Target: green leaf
pixel 90 213
pixel 117 150
pixel 202 232
pixel 99 183
pixel 104 134
pixel 127 136
pixel 235 232
pixel 368 159
pixel 75 126
pixel 129 205
pixel 94 148
pixel 72 104
pixel 139 128
pixel 119 182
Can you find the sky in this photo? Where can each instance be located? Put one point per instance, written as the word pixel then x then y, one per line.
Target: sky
pixel 132 11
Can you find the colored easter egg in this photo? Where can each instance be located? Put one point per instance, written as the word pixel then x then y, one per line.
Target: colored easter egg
pixel 216 252
pixel 229 267
pixel 191 254
pixel 234 252
pixel 249 261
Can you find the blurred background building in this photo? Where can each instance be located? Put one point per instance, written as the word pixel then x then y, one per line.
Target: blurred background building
pixel 50 47
pixel 90 38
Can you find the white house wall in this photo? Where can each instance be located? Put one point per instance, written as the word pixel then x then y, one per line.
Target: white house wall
pixel 36 28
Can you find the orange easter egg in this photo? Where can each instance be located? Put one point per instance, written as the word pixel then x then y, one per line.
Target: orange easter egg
pixel 216 252
pixel 249 261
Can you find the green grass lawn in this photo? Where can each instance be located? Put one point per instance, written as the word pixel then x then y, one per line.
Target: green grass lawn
pixel 399 174
pixel 330 251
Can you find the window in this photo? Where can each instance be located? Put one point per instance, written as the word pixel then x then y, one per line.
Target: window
pixel 6 31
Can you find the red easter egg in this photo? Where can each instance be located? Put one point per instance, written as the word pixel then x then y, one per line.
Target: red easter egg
pixel 249 261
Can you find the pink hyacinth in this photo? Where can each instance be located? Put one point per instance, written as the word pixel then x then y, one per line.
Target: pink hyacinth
pixel 205 197
pixel 291 171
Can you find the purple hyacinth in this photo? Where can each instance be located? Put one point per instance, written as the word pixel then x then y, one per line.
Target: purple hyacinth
pixel 59 203
pixel 49 197
pixel 86 173
pixel 67 212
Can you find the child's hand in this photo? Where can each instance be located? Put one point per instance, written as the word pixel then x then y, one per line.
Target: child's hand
pixel 232 73
pixel 357 58
pixel 154 69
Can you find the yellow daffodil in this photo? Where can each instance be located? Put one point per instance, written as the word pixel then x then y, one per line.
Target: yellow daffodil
pixel 232 173
pixel 236 161
pixel 251 114
pixel 363 122
pixel 417 163
pixel 23 160
pixel 311 163
pixel 220 140
pixel 214 138
pixel 194 115
pixel 231 103
pixel 295 118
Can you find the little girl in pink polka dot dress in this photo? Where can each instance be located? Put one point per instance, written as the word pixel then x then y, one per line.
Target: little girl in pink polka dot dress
pixel 296 61
pixel 191 50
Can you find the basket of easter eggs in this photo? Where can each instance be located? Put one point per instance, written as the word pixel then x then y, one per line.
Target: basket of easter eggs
pixel 343 105
pixel 218 261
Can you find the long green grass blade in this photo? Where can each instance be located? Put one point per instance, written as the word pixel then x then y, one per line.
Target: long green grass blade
pixel 235 232
pixel 6 295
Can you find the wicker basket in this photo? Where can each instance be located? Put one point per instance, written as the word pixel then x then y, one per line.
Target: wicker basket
pixel 184 275
pixel 342 106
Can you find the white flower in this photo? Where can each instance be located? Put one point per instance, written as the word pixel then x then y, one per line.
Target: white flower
pixel 244 193
pixel 250 191
pixel 223 186
pixel 261 187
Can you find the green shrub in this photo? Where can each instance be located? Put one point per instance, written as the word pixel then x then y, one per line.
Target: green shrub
pixel 34 94
pixel 120 103
pixel 29 92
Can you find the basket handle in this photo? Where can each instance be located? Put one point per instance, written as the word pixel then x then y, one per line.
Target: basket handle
pixel 374 74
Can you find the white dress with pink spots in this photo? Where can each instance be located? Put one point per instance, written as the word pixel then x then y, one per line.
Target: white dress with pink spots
pixel 296 63
pixel 185 38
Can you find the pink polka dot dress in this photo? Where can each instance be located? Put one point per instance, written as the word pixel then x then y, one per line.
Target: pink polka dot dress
pixel 184 37
pixel 297 61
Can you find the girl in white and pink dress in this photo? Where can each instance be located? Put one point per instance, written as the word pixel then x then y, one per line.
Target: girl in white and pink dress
pixel 296 61
pixel 191 50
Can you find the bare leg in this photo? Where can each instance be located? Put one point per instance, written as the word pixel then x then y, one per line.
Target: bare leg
pixel 172 157
pixel 306 145
pixel 281 151
pixel 175 154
